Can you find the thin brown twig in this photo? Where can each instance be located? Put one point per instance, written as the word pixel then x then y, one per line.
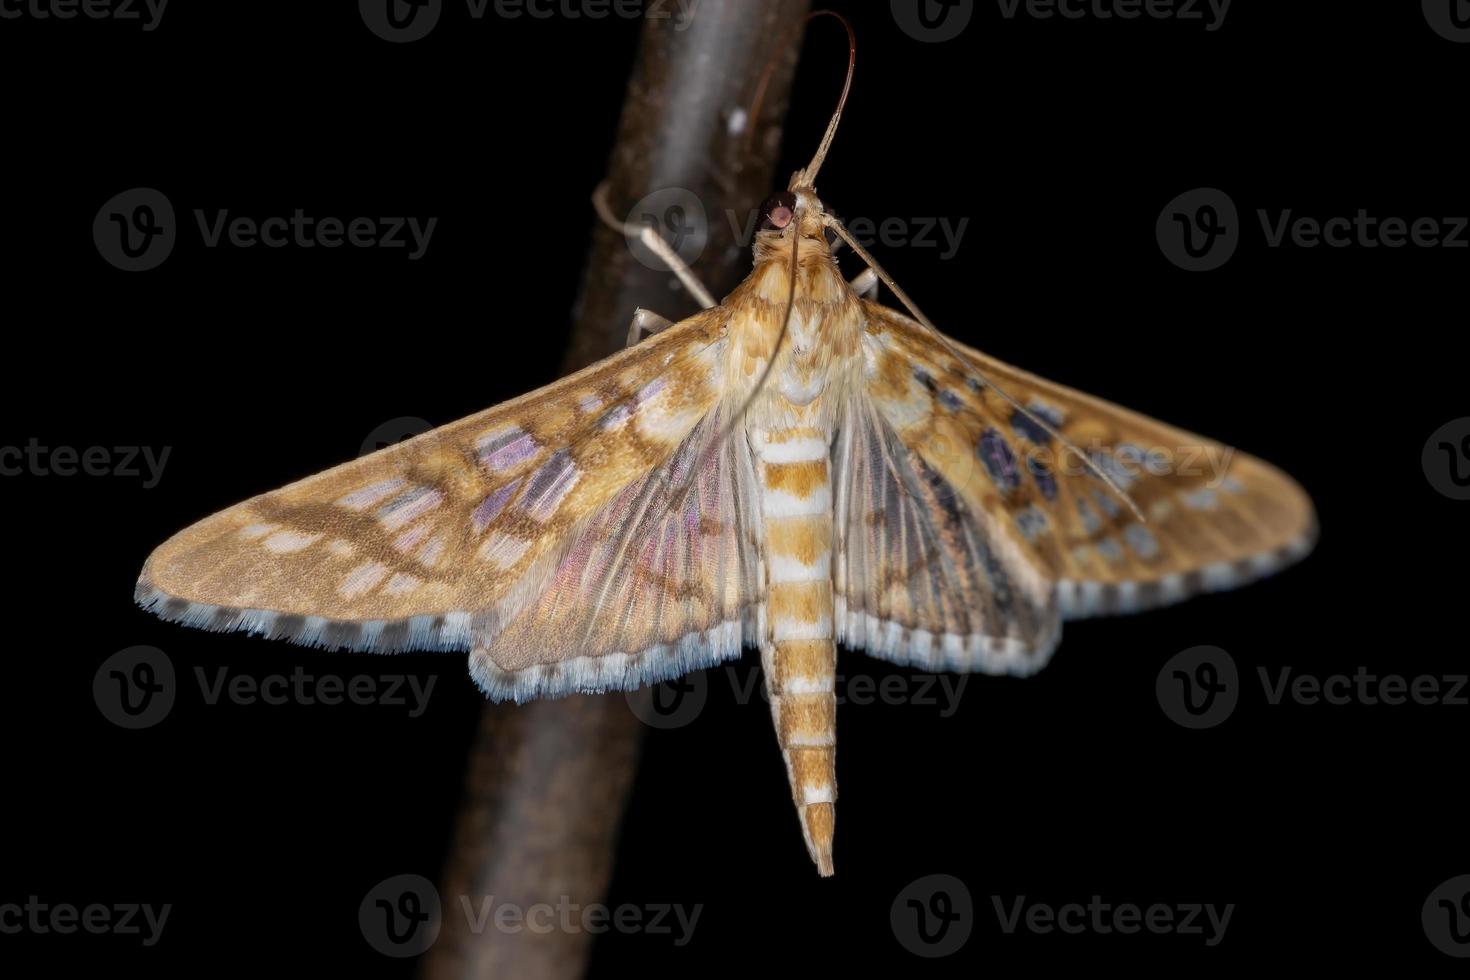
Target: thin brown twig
pixel 547 781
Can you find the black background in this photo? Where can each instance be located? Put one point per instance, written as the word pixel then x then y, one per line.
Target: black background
pixel 1060 141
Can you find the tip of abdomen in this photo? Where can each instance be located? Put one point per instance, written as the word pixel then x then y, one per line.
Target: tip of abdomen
pixel 817 822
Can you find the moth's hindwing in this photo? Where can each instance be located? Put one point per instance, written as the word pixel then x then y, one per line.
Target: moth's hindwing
pixel 920 578
pixel 1215 518
pixel 662 580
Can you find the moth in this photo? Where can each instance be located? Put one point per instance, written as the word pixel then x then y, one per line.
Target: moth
pixel 794 468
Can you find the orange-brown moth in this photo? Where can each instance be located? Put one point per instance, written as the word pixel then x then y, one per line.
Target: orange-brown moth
pixel 795 467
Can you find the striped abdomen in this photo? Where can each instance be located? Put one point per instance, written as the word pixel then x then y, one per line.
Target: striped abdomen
pixel 798 654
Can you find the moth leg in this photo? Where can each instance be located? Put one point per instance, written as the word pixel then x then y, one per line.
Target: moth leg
pixel 646 323
pixel 655 244
pixel 865 284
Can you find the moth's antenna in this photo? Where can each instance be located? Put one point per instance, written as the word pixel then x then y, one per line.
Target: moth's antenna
pixel 809 175
pixel 802 179
pixel 924 321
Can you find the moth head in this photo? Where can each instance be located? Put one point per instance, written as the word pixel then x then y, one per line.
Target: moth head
pixel 798 213
pixel 782 210
pixel 778 212
pixel 786 217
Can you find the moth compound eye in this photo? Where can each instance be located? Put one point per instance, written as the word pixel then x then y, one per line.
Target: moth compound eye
pixel 777 212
